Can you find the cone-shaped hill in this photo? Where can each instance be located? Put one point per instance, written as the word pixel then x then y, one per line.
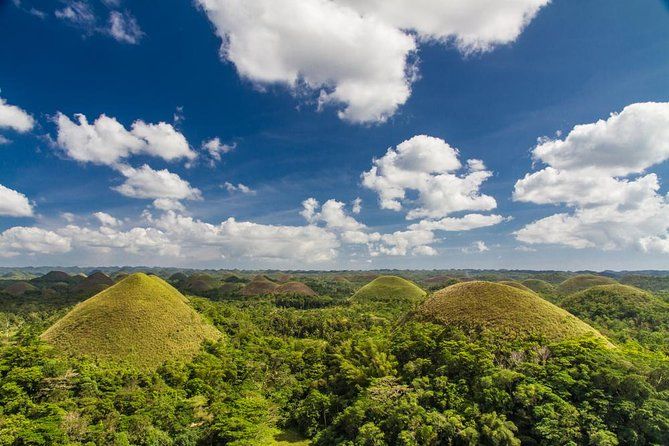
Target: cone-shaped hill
pixel 389 289
pixel 582 282
pixel 515 284
pixel 512 312
pixel 539 286
pixel 258 286
pixel 141 321
pixel 613 303
pixel 94 283
pixel 19 288
pixel 295 288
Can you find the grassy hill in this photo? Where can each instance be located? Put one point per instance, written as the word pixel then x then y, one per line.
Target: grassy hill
pixel 296 288
pixel 259 285
pixel 93 284
pixel 539 286
pixel 142 321
pixel 19 288
pixel 637 313
pixel 389 289
pixel 518 285
pixel 582 282
pixel 507 310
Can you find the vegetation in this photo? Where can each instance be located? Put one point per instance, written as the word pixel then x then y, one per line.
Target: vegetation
pixel 389 289
pixel 514 284
pixel 514 313
pixel 141 321
pixel 539 286
pixel 582 282
pixel 330 370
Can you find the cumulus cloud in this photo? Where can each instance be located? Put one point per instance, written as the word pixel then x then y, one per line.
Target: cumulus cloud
pixel 476 247
pixel 238 188
pixel 356 205
pixel 14 204
pixel 599 170
pixel 465 223
pixel 357 61
pixel 332 213
pixel 30 240
pixel 124 28
pixel 430 167
pixel 146 182
pixel 15 118
pixel 215 148
pixel 357 55
pixel 106 219
pixel 473 25
pixel 106 141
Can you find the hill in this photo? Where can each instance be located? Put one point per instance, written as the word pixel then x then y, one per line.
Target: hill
pixel 610 304
pixel 507 310
pixel 539 286
pixel 298 288
pixel 19 288
pixel 389 289
pixel 259 285
pixel 94 283
pixel 515 284
pixel 54 276
pixel 582 282
pixel 141 320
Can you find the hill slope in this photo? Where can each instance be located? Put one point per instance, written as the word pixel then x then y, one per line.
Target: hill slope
pixel 258 286
pixel 539 286
pixel 296 288
pixel 141 320
pixel 582 282
pixel 389 289
pixel 512 312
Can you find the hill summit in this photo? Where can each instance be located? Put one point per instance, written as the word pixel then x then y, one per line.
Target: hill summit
pixel 389 289
pixel 497 307
pixel 141 321
pixel 582 282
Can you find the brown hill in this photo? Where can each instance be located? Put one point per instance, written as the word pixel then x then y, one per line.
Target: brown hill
pixel 298 288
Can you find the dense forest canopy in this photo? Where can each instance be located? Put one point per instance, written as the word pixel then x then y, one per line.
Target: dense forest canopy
pixel 319 363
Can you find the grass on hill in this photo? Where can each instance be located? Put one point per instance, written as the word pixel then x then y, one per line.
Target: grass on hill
pixel 539 286
pixel 141 321
pixel 582 282
pixel 389 289
pixel 258 286
pixel 19 288
pixel 294 288
pixel 509 311
pixel 619 302
pixel 517 285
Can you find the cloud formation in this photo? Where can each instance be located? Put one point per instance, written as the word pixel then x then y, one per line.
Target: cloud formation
pixel 106 141
pixel 14 204
pixel 15 118
pixel 430 167
pixel 356 55
pixel 599 170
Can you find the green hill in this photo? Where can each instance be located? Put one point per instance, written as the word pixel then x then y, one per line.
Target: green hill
pixel 582 282
pixel 539 286
pixel 512 312
pixel 142 321
pixel 258 286
pixel 389 289
pixel 93 284
pixel 608 305
pixel 19 288
pixel 515 284
pixel 294 288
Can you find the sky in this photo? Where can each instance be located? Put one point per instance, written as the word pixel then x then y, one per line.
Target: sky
pixel 335 134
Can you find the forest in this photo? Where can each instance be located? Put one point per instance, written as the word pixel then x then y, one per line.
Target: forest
pixel 347 358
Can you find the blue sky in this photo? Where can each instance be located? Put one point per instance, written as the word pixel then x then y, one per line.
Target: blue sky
pixel 491 98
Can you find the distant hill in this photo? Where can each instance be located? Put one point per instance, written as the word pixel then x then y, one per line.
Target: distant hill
pixel 517 285
pixel 504 309
pixel 93 284
pixel 141 320
pixel 297 288
pixel 258 286
pixel 389 289
pixel 539 286
pixel 582 282
pixel 19 288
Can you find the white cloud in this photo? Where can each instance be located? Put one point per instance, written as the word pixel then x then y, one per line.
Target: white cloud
pixel 356 53
pixel 168 204
pixel 4 140
pixel 474 25
pixel 356 205
pixel 429 166
pixel 124 28
pixel 106 219
pixel 78 13
pixel 476 247
pixel 356 61
pixel 238 188
pixel 15 118
pixel 106 141
pixel 215 148
pixel 465 223
pixel 145 182
pixel 331 213
pixel 598 170
pixel 30 240
pixel 14 204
